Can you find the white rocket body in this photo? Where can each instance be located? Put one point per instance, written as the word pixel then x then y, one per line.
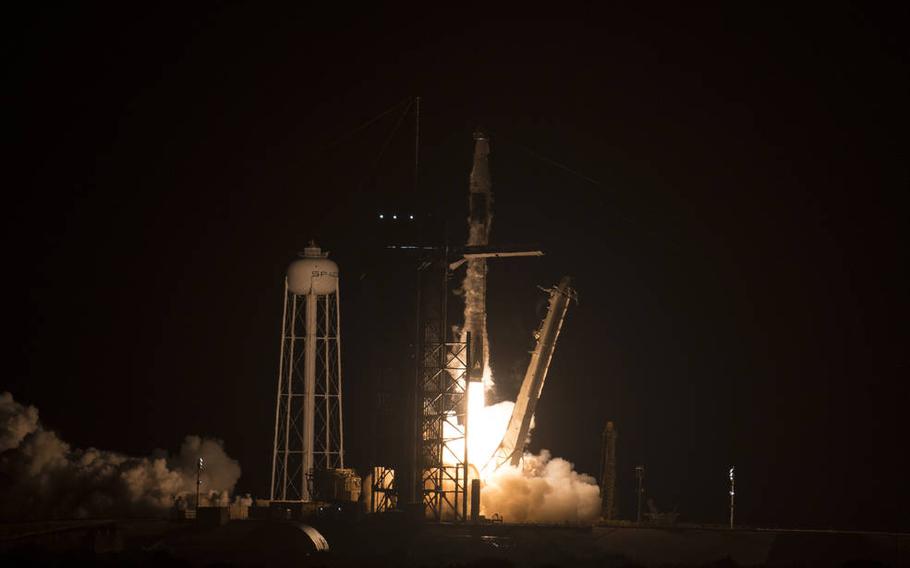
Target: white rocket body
pixel 480 220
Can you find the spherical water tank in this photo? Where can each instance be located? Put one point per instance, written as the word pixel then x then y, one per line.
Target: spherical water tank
pixel 313 273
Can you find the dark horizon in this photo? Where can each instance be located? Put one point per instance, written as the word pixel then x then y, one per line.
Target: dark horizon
pixel 727 188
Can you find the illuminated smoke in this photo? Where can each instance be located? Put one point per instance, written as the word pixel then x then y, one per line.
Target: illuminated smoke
pixel 16 422
pixel 42 477
pixel 543 490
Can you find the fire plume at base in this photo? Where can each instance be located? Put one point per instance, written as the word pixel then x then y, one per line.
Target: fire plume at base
pixel 520 486
pixel 486 427
pixel 541 489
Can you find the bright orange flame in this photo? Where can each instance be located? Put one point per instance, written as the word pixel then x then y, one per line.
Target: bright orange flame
pixel 486 428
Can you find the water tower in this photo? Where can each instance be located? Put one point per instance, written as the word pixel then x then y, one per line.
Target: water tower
pixel 308 410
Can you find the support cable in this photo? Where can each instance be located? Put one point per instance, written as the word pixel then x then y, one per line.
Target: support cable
pixel 592 181
pixel 340 139
pixel 372 171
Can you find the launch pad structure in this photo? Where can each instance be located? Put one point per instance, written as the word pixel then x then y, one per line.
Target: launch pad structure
pixel 435 478
pixel 511 448
pixel 440 475
pixel 442 395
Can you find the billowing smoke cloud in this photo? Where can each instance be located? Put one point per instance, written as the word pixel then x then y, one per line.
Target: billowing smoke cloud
pixel 43 477
pixel 544 490
pixel 16 422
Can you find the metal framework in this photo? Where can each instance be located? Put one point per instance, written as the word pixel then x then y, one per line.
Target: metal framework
pixel 308 408
pixel 442 379
pixel 444 430
pixel 384 496
pixel 511 448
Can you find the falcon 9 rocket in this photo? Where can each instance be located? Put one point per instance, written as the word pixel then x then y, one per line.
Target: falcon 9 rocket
pixel 480 220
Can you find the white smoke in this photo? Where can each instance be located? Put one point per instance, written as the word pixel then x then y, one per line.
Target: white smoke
pixel 543 490
pixel 41 476
pixel 16 421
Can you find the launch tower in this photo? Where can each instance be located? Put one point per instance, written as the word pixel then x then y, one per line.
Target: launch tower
pixel 442 368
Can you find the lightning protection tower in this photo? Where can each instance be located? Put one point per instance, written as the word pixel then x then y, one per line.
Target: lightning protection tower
pixel 308 416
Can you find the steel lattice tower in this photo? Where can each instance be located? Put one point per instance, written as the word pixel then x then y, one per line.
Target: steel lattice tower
pixel 308 407
pixel 442 378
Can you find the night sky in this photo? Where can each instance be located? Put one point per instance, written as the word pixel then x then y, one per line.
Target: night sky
pixel 727 187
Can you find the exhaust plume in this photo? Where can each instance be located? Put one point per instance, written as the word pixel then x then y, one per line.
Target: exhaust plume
pixel 543 489
pixel 43 477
